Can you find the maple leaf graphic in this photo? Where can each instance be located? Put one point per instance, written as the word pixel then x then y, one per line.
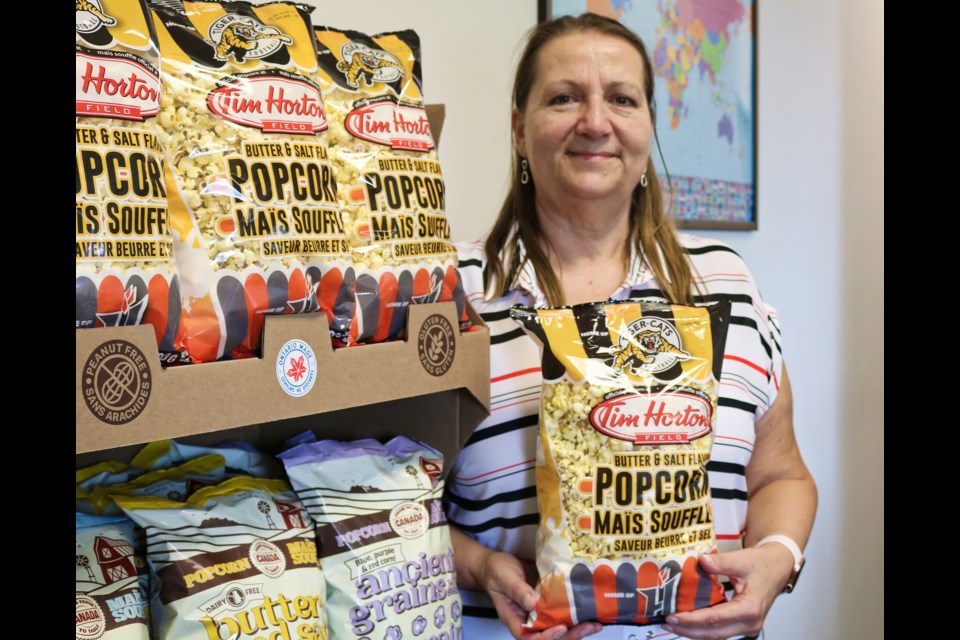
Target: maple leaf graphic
pixel 297 369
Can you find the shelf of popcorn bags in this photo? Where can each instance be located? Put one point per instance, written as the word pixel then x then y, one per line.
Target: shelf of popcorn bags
pixel 125 398
pixel 408 372
pixel 433 386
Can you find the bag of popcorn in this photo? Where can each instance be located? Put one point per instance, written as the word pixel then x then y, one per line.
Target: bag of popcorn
pixel 174 483
pixel 240 457
pixel 391 190
pixel 384 542
pixel 627 418
pixel 236 560
pixel 125 266
pixel 111 601
pixel 253 199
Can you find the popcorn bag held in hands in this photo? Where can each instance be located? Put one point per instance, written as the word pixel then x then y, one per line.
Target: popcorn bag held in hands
pixel 627 419
pixel 384 541
pixel 125 266
pixel 253 199
pixel 389 182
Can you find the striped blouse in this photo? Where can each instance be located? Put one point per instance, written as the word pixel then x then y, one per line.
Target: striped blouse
pixel 491 489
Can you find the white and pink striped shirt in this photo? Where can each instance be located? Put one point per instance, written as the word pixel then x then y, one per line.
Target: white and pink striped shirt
pixel 491 489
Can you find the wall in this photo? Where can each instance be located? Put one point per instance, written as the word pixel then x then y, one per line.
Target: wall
pixel 818 254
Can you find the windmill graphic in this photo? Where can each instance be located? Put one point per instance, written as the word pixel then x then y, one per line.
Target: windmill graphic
pixel 264 507
pixel 83 562
pixel 412 470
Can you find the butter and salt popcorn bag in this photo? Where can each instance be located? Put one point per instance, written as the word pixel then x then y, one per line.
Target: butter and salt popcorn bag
pixel 235 561
pixel 384 541
pixel 174 483
pixel 389 183
pixel 125 270
pixel 253 200
pixel 627 420
pixel 111 603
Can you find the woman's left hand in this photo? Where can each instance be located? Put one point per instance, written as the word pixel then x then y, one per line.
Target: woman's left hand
pixel 758 575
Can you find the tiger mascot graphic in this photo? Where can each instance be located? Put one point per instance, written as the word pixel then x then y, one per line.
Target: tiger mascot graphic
pixel 363 66
pixel 86 5
pixel 644 348
pixel 239 38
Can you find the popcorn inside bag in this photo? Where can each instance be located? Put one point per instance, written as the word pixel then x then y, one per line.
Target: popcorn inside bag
pixel 254 210
pixel 627 418
pixel 125 270
pixel 391 190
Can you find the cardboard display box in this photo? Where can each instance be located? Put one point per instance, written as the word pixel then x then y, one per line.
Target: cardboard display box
pixel 434 386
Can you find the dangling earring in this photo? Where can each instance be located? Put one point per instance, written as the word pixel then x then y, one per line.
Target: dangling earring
pixel 524 176
pixel 643 180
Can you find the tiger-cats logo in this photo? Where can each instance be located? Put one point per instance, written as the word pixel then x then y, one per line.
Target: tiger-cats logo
pixel 243 37
pixel 90 16
pixel 648 345
pixel 360 62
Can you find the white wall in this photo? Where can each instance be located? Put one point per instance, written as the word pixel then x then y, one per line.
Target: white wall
pixel 818 254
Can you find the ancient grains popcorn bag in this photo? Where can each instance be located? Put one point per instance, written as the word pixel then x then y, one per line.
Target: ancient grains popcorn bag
pixel 391 190
pixel 253 200
pixel 627 420
pixel 111 604
pixel 236 561
pixel 125 265
pixel 384 541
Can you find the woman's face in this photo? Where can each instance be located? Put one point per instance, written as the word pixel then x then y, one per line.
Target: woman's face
pixel 586 128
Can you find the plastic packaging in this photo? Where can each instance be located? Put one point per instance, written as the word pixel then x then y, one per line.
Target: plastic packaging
pixel 383 538
pixel 627 419
pixel 253 202
pixel 236 560
pixel 111 604
pixel 125 271
pixel 391 190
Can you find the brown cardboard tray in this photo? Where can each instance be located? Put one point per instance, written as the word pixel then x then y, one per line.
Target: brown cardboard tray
pixel 434 386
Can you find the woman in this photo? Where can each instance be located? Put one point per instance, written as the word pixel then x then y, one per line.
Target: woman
pixel 583 221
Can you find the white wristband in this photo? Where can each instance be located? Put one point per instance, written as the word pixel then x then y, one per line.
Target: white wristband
pixel 794 549
pixel 788 542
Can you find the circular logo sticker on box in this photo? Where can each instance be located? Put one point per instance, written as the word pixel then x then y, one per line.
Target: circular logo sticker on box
pixel 436 345
pixel 296 368
pixel 116 382
pixel 409 520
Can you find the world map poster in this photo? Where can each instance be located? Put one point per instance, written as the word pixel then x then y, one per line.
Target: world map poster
pixel 703 54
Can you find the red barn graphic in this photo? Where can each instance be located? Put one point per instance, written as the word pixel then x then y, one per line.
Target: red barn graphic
pixel 115 558
pixel 293 515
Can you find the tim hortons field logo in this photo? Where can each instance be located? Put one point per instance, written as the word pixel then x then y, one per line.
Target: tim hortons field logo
pixel 243 37
pixel 360 62
pixel 648 345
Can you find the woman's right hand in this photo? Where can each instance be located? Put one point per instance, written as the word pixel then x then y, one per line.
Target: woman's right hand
pixel 503 577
